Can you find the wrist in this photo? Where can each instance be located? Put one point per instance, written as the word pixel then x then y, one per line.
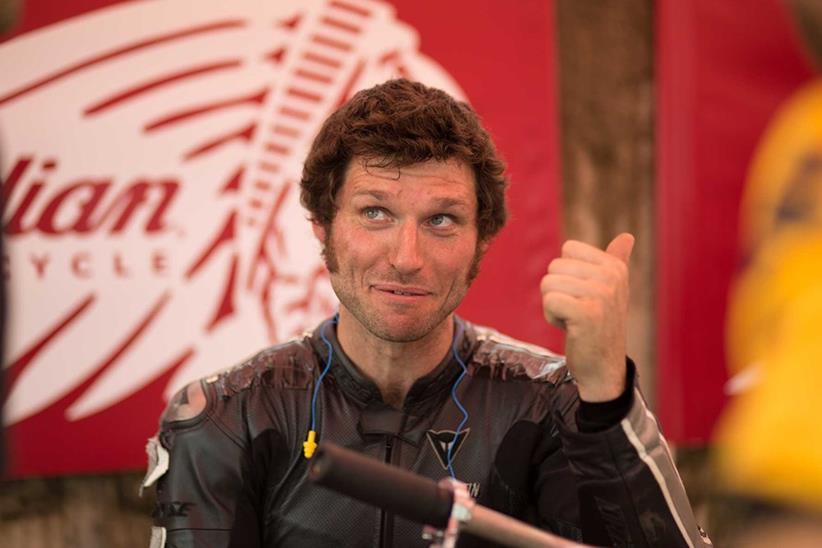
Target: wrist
pixel 600 394
pixel 603 389
pixel 599 416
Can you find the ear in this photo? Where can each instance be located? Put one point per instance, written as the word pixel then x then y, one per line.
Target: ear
pixel 319 231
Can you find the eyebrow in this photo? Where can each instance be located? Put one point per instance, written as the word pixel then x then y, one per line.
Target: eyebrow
pixel 446 203
pixel 439 203
pixel 378 194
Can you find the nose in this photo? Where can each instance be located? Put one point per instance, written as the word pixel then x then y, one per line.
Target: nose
pixel 406 257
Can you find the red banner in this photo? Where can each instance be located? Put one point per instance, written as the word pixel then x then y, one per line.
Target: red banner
pixel 150 153
pixel 723 69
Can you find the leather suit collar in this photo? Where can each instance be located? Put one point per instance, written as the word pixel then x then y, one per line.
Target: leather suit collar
pixel 425 391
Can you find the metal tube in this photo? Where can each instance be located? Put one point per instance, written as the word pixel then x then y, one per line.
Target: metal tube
pixel 506 530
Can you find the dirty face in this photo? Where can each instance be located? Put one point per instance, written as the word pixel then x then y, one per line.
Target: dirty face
pixel 403 246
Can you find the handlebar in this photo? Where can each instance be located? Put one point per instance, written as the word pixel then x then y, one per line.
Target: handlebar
pixel 421 499
pixel 394 489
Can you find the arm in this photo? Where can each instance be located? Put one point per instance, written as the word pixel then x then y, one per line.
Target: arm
pixel 630 493
pixel 629 490
pixel 202 473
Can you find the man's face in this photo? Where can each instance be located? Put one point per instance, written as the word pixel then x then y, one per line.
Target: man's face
pixel 403 247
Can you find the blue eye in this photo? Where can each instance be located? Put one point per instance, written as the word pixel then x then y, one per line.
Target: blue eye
pixel 373 213
pixel 441 220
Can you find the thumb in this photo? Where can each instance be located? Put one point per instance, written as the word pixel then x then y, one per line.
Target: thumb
pixel 621 247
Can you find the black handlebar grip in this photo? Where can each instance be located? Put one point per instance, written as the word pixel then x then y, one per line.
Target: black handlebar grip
pixel 371 481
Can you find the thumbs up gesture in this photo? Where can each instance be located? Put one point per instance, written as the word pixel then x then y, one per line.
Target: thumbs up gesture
pixel 585 293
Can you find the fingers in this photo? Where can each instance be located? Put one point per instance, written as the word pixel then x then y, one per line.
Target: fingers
pixel 573 286
pixel 621 247
pixel 587 262
pixel 607 272
pixel 586 293
pixel 574 249
pixel 557 307
pixel 586 279
pixel 574 267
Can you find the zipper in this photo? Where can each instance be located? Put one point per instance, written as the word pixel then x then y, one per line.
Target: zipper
pixel 386 518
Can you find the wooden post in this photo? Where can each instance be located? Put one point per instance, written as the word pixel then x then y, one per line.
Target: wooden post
pixel 606 91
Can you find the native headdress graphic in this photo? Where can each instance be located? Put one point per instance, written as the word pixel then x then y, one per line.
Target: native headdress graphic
pixel 151 158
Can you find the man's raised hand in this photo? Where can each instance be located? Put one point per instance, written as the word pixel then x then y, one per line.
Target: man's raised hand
pixel 585 293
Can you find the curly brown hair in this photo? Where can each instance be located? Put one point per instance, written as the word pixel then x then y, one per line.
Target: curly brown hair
pixel 397 124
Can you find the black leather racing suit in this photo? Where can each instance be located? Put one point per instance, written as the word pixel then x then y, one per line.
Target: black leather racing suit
pixel 236 474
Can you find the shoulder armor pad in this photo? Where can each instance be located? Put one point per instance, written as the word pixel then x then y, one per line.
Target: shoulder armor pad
pixel 505 357
pixel 186 404
pixel 287 365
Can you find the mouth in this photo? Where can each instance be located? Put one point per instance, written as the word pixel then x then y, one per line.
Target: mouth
pixel 401 291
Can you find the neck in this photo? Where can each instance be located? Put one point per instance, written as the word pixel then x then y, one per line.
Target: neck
pixel 393 366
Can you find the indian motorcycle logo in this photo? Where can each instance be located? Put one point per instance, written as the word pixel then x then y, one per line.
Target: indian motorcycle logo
pixel 151 156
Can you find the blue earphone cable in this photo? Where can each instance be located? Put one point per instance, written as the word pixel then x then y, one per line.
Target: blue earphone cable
pixel 324 371
pixel 454 343
pixel 310 444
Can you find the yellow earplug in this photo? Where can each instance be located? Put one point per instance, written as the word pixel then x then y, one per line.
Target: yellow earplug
pixel 309 445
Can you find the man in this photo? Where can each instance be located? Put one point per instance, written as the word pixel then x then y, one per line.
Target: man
pixel 405 191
